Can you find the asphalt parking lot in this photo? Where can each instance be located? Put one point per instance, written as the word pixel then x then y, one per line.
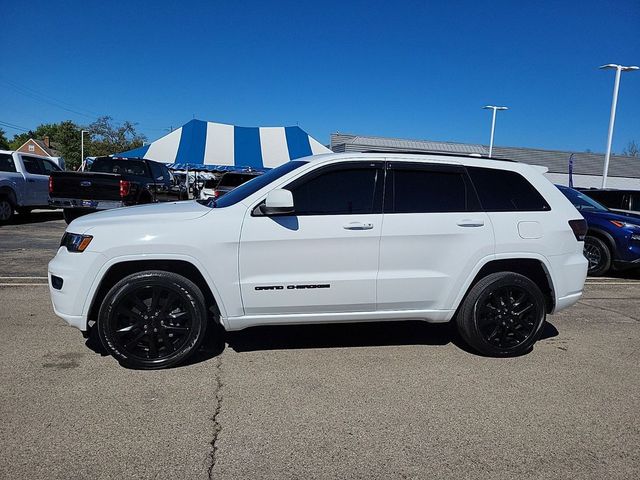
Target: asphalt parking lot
pixel 403 400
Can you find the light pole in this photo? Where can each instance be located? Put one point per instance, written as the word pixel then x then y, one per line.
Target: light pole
pixel 82 132
pixel 493 124
pixel 614 103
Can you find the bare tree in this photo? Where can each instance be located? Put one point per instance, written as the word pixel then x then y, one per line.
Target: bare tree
pixel 632 149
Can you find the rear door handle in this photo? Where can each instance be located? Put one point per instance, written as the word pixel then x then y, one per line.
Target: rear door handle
pixel 471 223
pixel 358 226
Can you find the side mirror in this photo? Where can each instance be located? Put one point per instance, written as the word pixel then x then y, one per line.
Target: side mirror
pixel 278 202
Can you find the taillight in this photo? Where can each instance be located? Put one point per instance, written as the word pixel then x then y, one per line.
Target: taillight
pixel 125 188
pixel 579 228
pixel 50 184
pixel 216 194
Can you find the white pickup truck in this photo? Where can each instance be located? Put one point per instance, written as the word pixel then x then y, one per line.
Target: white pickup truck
pixel 24 183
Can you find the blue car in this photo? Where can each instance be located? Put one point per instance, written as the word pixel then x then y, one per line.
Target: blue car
pixel 613 239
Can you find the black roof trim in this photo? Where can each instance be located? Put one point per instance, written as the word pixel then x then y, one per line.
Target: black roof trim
pixel 443 154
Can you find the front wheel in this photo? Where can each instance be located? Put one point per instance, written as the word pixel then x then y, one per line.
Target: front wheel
pixel 599 256
pixel 6 210
pixel 502 315
pixel 152 320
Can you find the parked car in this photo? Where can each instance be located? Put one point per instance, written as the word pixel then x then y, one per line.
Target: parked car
pixel 624 201
pixel 231 180
pixel 332 238
pixel 613 238
pixel 208 189
pixel 112 183
pixel 24 180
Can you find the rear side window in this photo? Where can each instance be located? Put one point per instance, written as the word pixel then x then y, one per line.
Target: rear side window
pixel 48 166
pixel 32 165
pixel 635 202
pixel 6 163
pixel 425 191
pixel 505 191
pixel 339 191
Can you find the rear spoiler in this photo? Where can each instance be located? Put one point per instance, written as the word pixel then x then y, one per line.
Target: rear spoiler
pixel 540 168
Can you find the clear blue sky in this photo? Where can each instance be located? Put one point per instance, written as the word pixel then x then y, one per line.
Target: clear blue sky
pixel 408 69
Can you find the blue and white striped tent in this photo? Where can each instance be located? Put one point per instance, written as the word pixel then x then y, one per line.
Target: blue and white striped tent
pixel 217 146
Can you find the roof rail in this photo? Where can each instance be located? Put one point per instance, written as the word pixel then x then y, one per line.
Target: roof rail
pixel 444 154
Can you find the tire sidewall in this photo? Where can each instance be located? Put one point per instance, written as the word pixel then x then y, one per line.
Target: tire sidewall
pixel 605 256
pixel 189 293
pixel 468 322
pixel 3 203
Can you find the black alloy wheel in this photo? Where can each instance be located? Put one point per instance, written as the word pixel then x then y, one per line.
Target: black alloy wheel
pixel 502 315
pixel 598 255
pixel 152 320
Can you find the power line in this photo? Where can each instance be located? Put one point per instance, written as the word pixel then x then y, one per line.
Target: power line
pixel 13 126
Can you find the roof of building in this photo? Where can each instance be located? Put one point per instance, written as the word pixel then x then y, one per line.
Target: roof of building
pixel 557 161
pixel 50 151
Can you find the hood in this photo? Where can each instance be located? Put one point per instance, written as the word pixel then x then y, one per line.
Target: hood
pixel 621 217
pixel 151 213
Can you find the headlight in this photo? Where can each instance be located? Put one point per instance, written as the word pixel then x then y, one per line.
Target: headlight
pixel 75 242
pixel 620 224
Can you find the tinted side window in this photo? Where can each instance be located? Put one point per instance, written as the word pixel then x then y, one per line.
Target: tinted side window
pixel 156 172
pixel 340 191
pixel 635 201
pixel 32 165
pixel 425 191
pixel 48 166
pixel 504 191
pixel 6 163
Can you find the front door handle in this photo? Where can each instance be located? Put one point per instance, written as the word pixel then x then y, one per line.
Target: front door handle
pixel 471 223
pixel 358 226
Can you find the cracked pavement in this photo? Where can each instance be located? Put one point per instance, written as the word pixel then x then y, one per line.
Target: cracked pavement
pixel 387 400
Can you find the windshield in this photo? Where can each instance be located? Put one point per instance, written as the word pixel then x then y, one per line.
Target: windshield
pixel 252 186
pixel 109 165
pixel 581 201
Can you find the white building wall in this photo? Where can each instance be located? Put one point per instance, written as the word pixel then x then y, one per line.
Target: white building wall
pixel 587 181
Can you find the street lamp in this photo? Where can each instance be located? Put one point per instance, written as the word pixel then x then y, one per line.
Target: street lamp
pixel 493 123
pixel 82 132
pixel 614 103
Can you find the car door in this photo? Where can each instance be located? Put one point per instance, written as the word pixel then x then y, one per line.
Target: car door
pixel 37 181
pixel 324 257
pixel 433 235
pixel 161 182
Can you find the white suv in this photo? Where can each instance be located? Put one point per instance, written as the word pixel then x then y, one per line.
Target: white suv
pixel 491 245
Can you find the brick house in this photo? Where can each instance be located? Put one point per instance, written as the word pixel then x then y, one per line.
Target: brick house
pixel 39 147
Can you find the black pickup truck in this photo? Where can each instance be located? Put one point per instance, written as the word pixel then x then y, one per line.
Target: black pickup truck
pixel 111 183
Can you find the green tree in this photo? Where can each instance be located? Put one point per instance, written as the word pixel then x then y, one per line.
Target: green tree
pixel 18 139
pixel 4 141
pixel 108 138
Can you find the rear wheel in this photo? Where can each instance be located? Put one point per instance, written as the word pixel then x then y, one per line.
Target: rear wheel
pixel 502 315
pixel 6 210
pixel 152 320
pixel 599 256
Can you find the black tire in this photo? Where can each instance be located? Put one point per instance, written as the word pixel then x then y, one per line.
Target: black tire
pixel 502 315
pixel 24 211
pixel 6 210
pixel 71 214
pixel 599 256
pixel 153 319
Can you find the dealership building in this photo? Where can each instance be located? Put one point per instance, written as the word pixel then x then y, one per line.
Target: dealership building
pixel 624 172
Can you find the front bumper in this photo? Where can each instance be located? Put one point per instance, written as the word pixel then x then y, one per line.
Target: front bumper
pixel 78 272
pixel 85 204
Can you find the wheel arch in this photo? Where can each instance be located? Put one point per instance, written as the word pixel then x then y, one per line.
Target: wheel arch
pixel 533 268
pixel 606 237
pixel 119 270
pixel 10 194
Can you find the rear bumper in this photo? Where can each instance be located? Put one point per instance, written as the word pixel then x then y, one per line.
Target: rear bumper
pixel 568 273
pixel 85 204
